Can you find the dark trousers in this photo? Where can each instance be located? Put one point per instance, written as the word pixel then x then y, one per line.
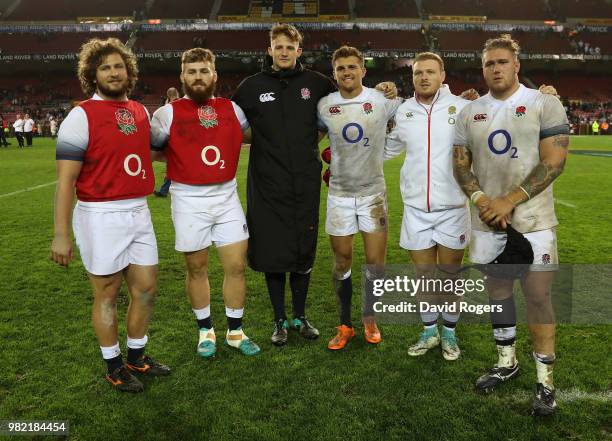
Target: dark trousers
pixel 19 136
pixel 165 187
pixel 3 138
pixel 28 137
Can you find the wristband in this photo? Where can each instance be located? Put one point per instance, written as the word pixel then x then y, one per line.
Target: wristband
pixel 476 195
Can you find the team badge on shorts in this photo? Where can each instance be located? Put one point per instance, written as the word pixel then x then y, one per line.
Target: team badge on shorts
pixel 305 93
pixel 545 258
pixel 208 117
pixel 462 239
pixel 245 228
pixel 125 121
pixel 520 111
pixel 367 108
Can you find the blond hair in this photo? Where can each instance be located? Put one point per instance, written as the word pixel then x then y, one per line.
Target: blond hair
pixel 288 31
pixel 430 56
pixel 504 41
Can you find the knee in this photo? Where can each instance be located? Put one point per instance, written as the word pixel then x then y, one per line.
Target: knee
pixel 197 271
pixel 235 269
pixel 539 301
pixel 342 264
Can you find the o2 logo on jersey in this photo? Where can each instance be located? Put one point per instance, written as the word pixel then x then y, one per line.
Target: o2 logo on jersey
pixel 353 133
pixel 507 143
pixel 127 166
pixel 214 158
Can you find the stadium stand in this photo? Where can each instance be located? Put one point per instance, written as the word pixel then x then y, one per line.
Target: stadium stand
pixel 522 10
pixel 235 7
pixel 386 9
pixel 334 7
pixel 530 42
pixel 586 8
pixel 180 9
pixel 49 43
pixel 69 10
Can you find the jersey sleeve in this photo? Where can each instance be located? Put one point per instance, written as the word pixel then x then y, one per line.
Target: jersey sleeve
pixel 553 119
pixel 391 107
pixel 160 127
pixel 461 128
pixel 394 145
pixel 73 136
pixel 244 124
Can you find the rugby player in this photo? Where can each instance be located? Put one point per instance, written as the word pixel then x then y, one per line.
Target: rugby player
pixel 510 145
pixel 200 138
pixel 355 119
pixel 103 151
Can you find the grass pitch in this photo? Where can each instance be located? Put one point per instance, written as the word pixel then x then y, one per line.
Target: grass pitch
pixel 51 366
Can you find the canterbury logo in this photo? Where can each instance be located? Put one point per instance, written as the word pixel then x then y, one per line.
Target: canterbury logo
pixel 265 97
pixel 335 110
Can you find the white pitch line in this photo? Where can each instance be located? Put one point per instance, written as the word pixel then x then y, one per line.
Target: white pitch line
pixel 36 187
pixel 567 204
pixel 562 395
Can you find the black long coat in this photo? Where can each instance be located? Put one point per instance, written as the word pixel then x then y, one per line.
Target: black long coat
pixel 284 176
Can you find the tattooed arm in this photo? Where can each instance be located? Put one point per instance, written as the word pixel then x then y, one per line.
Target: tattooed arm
pixel 462 169
pixel 553 151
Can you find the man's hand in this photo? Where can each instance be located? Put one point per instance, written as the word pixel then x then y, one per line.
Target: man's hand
pixel 61 250
pixel 497 212
pixel 470 94
pixel 549 90
pixel 388 88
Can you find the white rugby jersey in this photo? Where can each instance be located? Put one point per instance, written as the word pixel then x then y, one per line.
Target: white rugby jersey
pixel 504 138
pixel 427 133
pixel 356 128
pixel 18 125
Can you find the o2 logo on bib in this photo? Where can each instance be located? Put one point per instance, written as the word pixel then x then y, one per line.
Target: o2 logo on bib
pixel 211 156
pixel 352 133
pixel 500 142
pixel 128 165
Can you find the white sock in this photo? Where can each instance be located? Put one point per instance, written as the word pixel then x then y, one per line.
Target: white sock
pixel 506 355
pixel 137 343
pixel 109 352
pixel 449 329
pixel 234 313
pixel 203 313
pixel 544 369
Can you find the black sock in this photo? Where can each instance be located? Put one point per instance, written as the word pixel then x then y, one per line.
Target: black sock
pixel 234 323
pixel 299 290
pixel 344 294
pixel 135 354
pixel 503 320
pixel 276 290
pixel 113 363
pixel 205 323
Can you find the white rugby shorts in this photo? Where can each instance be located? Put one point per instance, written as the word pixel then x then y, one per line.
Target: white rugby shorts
pixel 487 245
pixel 200 221
pixel 422 230
pixel 348 215
pixel 111 236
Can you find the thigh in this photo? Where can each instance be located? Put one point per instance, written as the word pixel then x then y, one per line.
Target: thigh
pixel 544 246
pixel 375 245
pixel 105 287
pixel 485 246
pixel 141 279
pixel 233 257
pixel 342 247
pixel 197 262
pixel 341 217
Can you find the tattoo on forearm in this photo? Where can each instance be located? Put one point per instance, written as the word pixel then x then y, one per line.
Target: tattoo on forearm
pixel 462 166
pixel 541 177
pixel 561 141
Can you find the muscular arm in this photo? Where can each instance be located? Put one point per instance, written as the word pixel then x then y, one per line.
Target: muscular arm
pixel 158 155
pixel 462 169
pixel 67 174
pixel 247 136
pixel 553 152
